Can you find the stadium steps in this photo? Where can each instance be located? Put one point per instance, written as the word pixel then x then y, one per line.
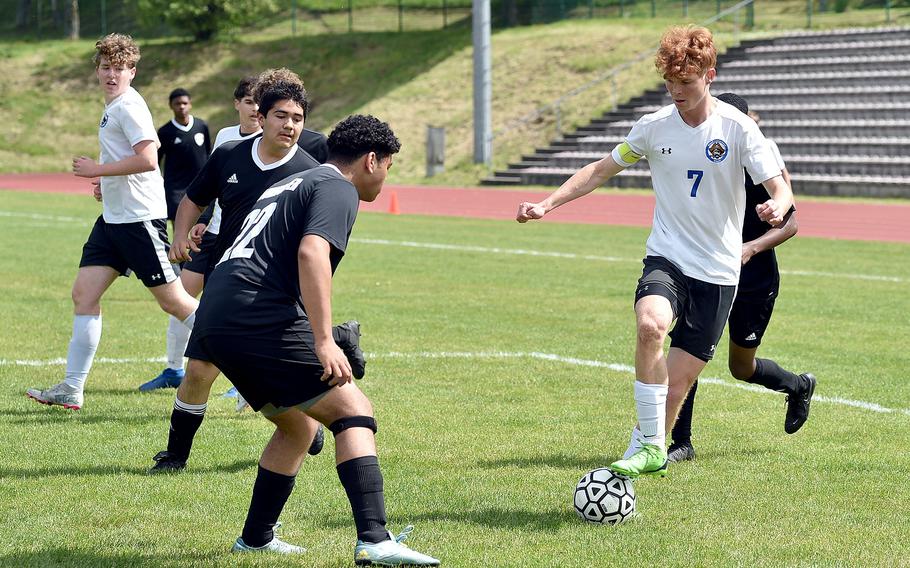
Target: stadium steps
pixel 837 103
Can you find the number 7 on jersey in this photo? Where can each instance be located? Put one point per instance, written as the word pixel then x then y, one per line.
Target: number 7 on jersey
pixel 697 174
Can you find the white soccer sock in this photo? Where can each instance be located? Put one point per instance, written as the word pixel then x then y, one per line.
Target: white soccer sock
pixel 197 409
pixel 634 444
pixel 81 352
pixel 651 404
pixel 178 334
pixel 190 321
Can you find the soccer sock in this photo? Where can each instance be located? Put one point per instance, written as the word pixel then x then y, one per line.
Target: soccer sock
pixel 634 443
pixel 682 430
pixel 772 376
pixel 81 352
pixel 270 493
pixel 190 321
pixel 362 481
pixel 651 404
pixel 185 420
pixel 177 336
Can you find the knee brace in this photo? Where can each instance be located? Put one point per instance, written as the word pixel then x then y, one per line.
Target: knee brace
pixel 342 424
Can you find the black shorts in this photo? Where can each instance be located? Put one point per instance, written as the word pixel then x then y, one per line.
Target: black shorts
pixel 202 262
pixel 278 369
pixel 750 316
pixel 139 247
pixel 700 308
pixel 173 198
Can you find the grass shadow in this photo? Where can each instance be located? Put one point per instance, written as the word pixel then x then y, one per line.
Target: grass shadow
pixel 109 470
pixel 60 556
pixel 561 461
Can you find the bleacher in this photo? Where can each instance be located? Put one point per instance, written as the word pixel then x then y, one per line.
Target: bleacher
pixel 836 102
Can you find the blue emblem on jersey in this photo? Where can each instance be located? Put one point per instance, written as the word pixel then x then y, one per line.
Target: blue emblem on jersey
pixel 716 150
pixel 103 121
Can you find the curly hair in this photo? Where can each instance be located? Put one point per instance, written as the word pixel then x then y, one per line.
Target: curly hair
pixel 685 50
pixel 275 85
pixel 119 49
pixel 359 134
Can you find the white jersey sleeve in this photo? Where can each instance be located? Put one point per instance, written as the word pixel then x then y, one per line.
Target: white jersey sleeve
pixel 776 152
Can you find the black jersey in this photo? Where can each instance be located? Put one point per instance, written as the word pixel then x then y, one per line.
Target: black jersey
pixel 315 143
pixel 236 177
pixel 255 287
pixel 760 275
pixel 184 149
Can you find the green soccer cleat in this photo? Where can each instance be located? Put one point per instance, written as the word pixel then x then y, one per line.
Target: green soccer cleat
pixel 649 460
pixel 391 552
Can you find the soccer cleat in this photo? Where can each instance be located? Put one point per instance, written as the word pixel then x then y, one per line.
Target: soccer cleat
pixel 798 405
pixel 391 552
pixel 166 462
pixel 242 404
pixel 680 452
pixel 231 393
pixel 274 545
pixel 318 441
pixel 168 379
pixel 651 459
pixel 60 394
pixel 350 344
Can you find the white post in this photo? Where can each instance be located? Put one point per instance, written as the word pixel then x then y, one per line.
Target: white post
pixel 483 83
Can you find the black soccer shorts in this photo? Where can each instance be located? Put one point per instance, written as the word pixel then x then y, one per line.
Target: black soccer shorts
pixel 202 262
pixel 700 308
pixel 750 316
pixel 139 247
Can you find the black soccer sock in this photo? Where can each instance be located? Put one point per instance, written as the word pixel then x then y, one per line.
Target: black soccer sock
pixel 270 493
pixel 185 420
pixel 682 430
pixel 772 376
pixel 362 481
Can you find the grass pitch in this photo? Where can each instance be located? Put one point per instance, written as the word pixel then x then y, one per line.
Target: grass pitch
pixel 487 368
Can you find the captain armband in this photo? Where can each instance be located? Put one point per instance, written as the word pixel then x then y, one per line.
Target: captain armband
pixel 624 155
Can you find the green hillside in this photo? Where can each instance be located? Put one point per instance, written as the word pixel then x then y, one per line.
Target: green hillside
pixel 411 79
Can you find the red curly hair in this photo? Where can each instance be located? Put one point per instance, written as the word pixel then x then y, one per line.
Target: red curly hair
pixel 685 50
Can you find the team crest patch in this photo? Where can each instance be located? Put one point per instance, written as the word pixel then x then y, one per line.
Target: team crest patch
pixel 103 121
pixel 716 150
pixel 199 138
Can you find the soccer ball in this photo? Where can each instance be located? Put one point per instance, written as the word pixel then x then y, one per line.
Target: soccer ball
pixel 602 496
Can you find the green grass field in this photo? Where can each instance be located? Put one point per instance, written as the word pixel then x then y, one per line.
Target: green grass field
pixel 487 368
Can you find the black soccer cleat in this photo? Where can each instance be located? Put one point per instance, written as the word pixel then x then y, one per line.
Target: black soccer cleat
pixel 798 404
pixel 166 462
pixel 680 452
pixel 318 441
pixel 349 341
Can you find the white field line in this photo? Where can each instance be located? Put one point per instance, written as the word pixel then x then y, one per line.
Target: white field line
pixel 618 367
pixel 43 217
pixel 569 255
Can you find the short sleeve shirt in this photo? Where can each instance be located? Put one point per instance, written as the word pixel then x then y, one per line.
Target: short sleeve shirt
pixel 134 197
pixel 184 150
pixel 226 134
pixel 697 174
pixel 255 287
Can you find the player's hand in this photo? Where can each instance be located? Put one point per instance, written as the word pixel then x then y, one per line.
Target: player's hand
pixel 196 233
pixel 180 249
pixel 335 366
pixel 770 212
pixel 96 189
pixel 528 211
pixel 748 252
pixel 85 167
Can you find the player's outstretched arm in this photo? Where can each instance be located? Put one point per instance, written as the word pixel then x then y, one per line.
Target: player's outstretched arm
pixel 582 182
pixel 145 159
pixel 187 214
pixel 772 238
pixel 773 210
pixel 314 271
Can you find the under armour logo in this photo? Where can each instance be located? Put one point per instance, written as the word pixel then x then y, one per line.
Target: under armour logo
pixel 156 276
pixel 666 150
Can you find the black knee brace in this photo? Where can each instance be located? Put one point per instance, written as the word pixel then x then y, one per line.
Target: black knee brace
pixel 342 424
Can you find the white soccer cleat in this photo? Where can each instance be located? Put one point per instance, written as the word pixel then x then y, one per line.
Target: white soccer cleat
pixel 60 394
pixel 275 545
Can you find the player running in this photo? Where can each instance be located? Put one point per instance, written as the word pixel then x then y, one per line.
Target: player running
pixel 696 148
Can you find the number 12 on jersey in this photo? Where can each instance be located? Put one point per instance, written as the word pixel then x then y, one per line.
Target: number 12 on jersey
pixel 697 175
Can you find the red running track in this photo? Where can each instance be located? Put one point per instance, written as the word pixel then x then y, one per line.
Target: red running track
pixel 827 219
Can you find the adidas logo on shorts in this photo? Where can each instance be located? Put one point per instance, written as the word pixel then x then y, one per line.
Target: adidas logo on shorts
pixel 233 179
pixel 752 337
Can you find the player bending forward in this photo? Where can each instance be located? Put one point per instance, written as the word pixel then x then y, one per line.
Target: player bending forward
pixel 696 149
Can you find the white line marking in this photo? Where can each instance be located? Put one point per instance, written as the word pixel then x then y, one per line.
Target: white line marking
pixel 618 367
pixel 43 217
pixel 525 252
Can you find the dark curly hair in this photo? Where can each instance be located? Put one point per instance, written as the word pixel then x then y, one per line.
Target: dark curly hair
pixel 359 134
pixel 119 49
pixel 245 88
pixel 276 85
pixel 176 93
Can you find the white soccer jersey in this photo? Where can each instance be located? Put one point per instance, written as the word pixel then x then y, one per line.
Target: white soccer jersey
pixel 134 197
pixel 226 134
pixel 776 151
pixel 698 180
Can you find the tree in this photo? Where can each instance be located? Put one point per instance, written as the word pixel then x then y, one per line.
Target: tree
pixel 205 18
pixel 73 19
pixel 23 11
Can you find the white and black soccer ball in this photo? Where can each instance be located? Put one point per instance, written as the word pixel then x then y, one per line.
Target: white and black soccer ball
pixel 602 496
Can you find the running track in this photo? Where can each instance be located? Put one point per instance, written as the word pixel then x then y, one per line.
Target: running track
pixel 827 219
